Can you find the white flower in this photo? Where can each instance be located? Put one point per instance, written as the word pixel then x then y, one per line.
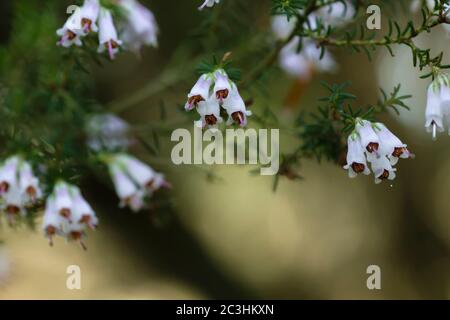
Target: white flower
pixel 63 200
pixel 89 15
pixel 8 174
pixel 302 64
pixel 356 158
pixel 124 186
pixel 222 85
pixel 337 13
pixel 209 112
pixel 382 169
pixel 141 27
pixel 140 172
pixel 134 180
pixel 108 39
pixel 390 145
pixel 200 92
pixel 208 3
pixel 13 203
pixel 282 27
pixel 82 211
pixel 108 132
pixel 369 139
pixel 52 221
pixel 71 31
pixel 235 107
pixel 433 112
pixel 29 184
pixel 416 5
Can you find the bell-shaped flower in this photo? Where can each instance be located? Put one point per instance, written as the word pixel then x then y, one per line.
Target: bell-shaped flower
pixel 433 112
pixel 107 132
pixel 71 31
pixel 140 172
pixel 108 38
pixel 382 169
pixel 13 203
pixel 222 85
pixel 63 200
pixel 29 184
pixel 82 211
pixel 356 158
pixel 141 27
pixel 209 112
pixel 208 3
pixel 124 186
pixel 89 15
pixel 200 92
pixel 390 145
pixel 369 139
pixel 8 174
pixel 52 221
pixel 235 107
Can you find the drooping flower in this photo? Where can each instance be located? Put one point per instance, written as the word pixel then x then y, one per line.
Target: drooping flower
pixel 108 39
pixel 437 112
pixel 390 145
pixel 89 14
pixel 72 30
pixel 382 169
pixel 134 181
pixel 199 92
pixel 29 184
pixel 140 28
pixel 108 132
pixel 369 139
pixel 236 109
pixel 208 3
pixel 209 112
pixel 356 158
pixel 222 85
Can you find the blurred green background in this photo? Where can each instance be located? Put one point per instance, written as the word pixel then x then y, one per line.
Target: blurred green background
pixel 235 238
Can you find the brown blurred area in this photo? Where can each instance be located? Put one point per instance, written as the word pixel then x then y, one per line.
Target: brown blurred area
pixel 235 238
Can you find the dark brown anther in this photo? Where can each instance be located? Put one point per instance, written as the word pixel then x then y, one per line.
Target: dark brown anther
pixel 384 175
pixel 238 117
pixel 194 100
pixel 373 146
pixel 222 94
pixel 210 119
pixel 65 212
pixel 87 23
pixel 12 209
pixel 71 35
pixel 50 230
pixel 358 167
pixel 151 184
pixel 4 187
pixel 114 44
pixel 31 191
pixel 398 152
pixel 85 219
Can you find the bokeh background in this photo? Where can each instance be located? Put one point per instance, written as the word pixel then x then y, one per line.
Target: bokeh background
pixel 233 237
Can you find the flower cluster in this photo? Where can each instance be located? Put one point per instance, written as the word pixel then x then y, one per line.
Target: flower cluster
pixel 208 3
pixel 139 27
pixel 134 181
pixel 438 105
pixel 374 143
pixel 68 214
pixel 19 187
pixel 302 64
pixel 213 91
